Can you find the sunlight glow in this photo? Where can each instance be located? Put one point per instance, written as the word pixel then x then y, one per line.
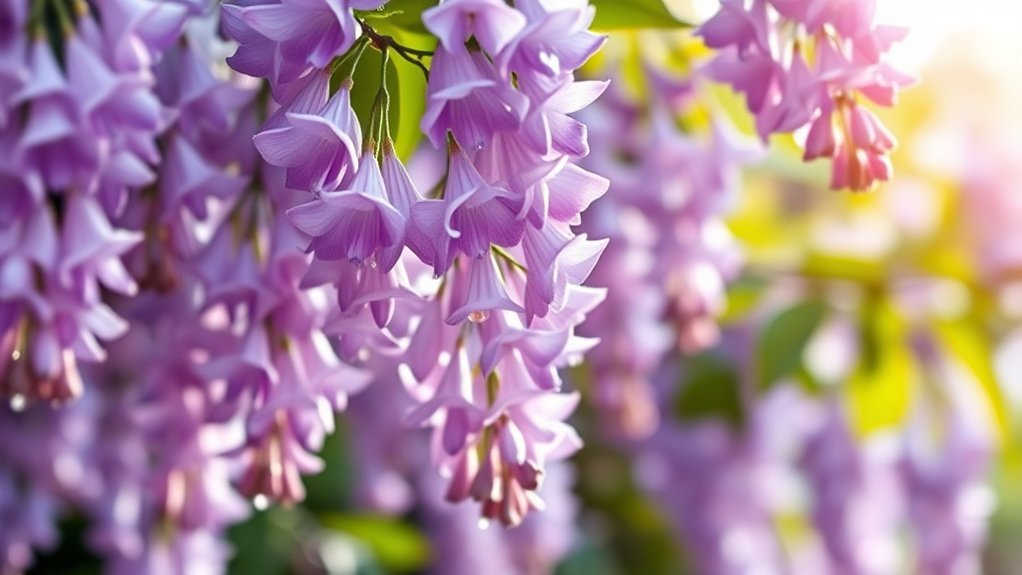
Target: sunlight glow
pixel 933 22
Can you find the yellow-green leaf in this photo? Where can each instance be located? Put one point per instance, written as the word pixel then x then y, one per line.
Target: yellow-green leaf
pixel 406 14
pixel 633 14
pixel 968 344
pixel 879 393
pixel 784 339
pixel 709 391
pixel 396 546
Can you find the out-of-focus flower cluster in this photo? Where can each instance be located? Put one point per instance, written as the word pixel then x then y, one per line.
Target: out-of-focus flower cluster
pixel 671 255
pixel 796 459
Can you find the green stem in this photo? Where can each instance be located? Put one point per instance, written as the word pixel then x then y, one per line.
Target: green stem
pixel 353 55
pixel 66 23
pixel 508 258
pixel 385 128
pixel 383 42
pixel 37 19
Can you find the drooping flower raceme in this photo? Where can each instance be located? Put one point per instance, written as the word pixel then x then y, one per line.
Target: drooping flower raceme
pixel 222 336
pixel 857 500
pixel 671 254
pixel 99 95
pixel 945 459
pixel 807 65
pixel 481 341
pixel 77 133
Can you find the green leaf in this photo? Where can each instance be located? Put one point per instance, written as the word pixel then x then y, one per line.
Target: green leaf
pixel 783 341
pixel 637 535
pixel 743 297
pixel 332 488
pixel 588 560
pixel 407 14
pixel 410 99
pixel 265 541
pixel 710 390
pixel 967 342
pixel 633 14
pixel 397 546
pixel 879 393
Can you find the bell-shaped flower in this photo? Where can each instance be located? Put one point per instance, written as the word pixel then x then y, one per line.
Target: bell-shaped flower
pixel 491 22
pixel 186 82
pixel 360 286
pixel 467 97
pixel 45 370
pixel 228 268
pixel 555 258
pixel 753 76
pixel 505 334
pixel 472 216
pixel 400 189
pixel 736 25
pixel 91 247
pixel 821 140
pixel 256 55
pixel 792 101
pixel 868 131
pixel 503 467
pixel 548 127
pixel 510 162
pixel 188 179
pixel 858 169
pixel 138 30
pixel 310 362
pixel 452 404
pixel 51 141
pixel 318 149
pixel 276 459
pixel 571 190
pixel 403 195
pixel 353 224
pixel 108 101
pixel 477 291
pixel 432 337
pixel 555 41
pixel 311 32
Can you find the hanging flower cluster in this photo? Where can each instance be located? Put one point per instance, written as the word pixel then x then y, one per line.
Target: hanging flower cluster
pixel 482 342
pixel 78 130
pixel 119 147
pixel 724 487
pixel 671 255
pixel 808 63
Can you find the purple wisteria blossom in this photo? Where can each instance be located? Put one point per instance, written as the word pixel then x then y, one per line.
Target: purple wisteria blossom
pixel 79 129
pixel 195 333
pixel 46 468
pixel 670 255
pixel 949 501
pixel 164 497
pixel 483 338
pixel 222 239
pixel 802 65
pixel 858 503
